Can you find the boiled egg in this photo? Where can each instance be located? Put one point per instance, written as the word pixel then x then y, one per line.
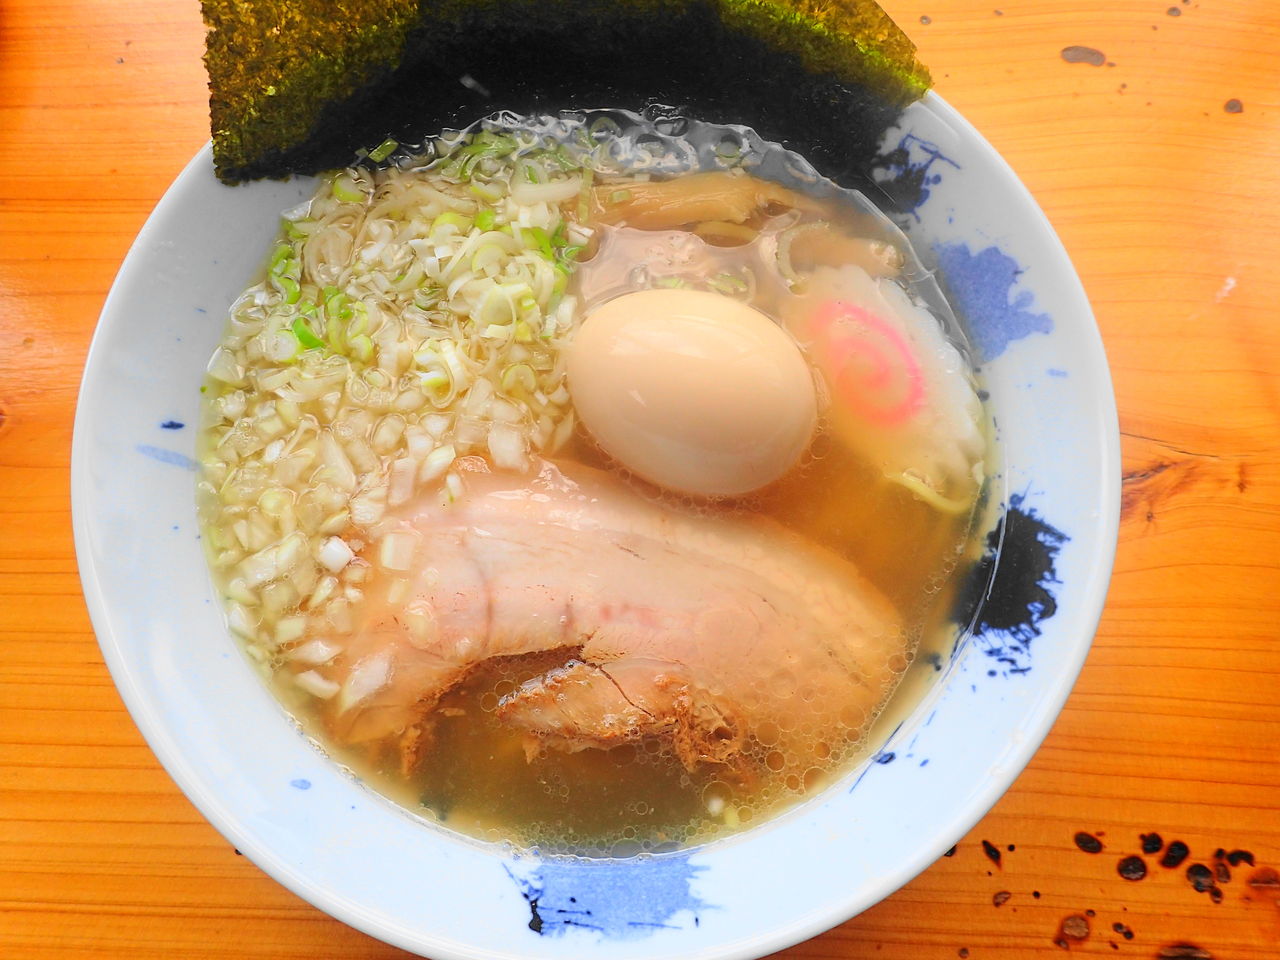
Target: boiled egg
pixel 694 391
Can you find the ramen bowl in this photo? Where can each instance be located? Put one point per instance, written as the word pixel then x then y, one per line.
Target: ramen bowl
pixel 986 705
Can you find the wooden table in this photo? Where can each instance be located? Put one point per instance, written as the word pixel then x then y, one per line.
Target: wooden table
pixel 1161 172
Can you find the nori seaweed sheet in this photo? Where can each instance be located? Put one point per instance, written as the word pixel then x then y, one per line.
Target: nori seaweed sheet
pixel 823 78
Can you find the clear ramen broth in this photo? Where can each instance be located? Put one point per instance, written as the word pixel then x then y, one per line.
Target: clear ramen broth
pixel 391 443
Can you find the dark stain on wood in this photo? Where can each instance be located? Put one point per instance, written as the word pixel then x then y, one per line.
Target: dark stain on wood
pixel 1174 856
pixel 1088 842
pixel 992 852
pixel 1074 927
pixel 1200 877
pixel 1237 857
pixel 1183 951
pixel 1123 929
pixel 1132 868
pixel 1079 54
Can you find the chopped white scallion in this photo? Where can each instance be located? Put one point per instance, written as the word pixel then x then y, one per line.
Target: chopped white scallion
pixel 313 652
pixel 259 568
pixel 338 614
pixel 242 622
pixel 418 442
pixel 338 467
pixel 290 629
pixel 223 366
pixel 368 507
pixel 437 424
pixel 335 554
pixel 507 447
pixel 453 485
pixel 396 550
pixel 400 483
pixel 437 462
pixel 438 310
pixel 323 591
pixel 238 591
pixel 316 684
pixel 420 628
pixel 288 554
pixel 527 194
pixel 367 677
pixel 398 592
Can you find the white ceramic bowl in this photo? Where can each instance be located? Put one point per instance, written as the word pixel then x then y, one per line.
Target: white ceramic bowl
pixel 231 748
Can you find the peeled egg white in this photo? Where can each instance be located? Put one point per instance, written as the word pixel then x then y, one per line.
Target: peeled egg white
pixel 694 391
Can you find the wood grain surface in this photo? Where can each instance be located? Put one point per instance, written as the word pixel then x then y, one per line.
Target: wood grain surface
pixel 1169 205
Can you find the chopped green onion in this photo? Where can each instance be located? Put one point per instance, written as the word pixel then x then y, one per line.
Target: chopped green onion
pixel 346 190
pixel 543 242
pixel 604 125
pixel 485 219
pixel 487 255
pixel 383 150
pixel 469 164
pixel 727 284
pixel 427 297
pixel 362 347
pixel 335 304
pixel 531 173
pixel 728 149
pixel 489 144
pixel 435 380
pixel 293 231
pixel 361 322
pixel 289 287
pixel 557 290
pixel 448 223
pixel 305 337
pixel 280 258
pixel 669 283
pixel 620 196
pixel 333 329
pixel 519 378
pixel 488 192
